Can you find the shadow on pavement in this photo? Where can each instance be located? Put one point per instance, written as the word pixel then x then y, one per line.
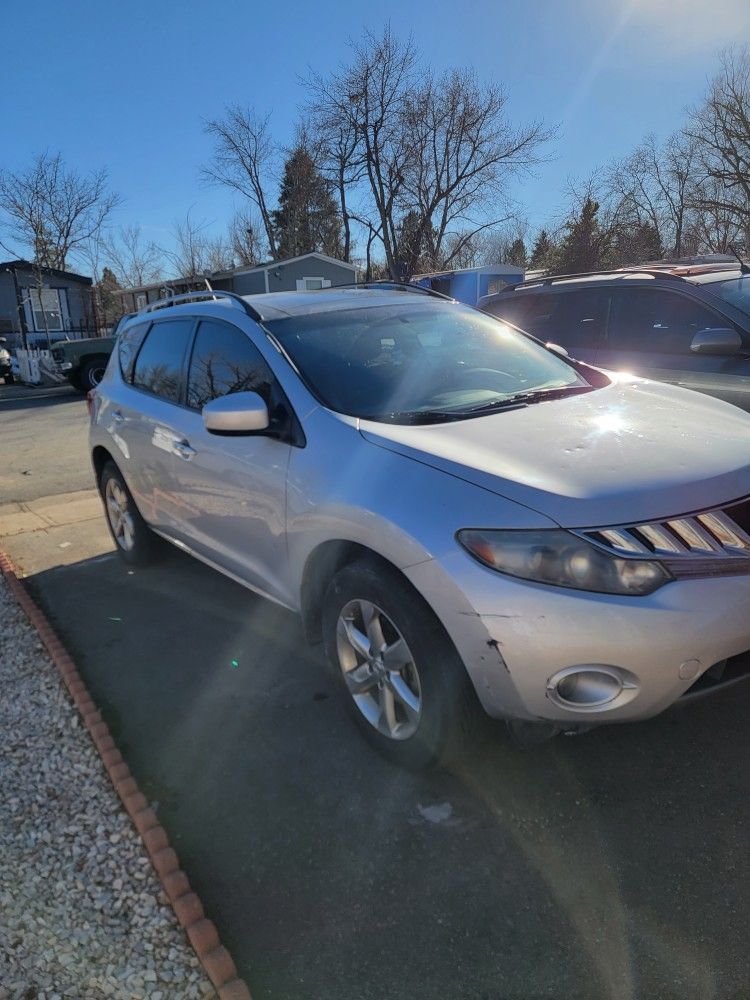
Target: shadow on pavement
pixel 611 865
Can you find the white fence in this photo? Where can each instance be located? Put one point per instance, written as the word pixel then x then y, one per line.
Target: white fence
pixel 37 366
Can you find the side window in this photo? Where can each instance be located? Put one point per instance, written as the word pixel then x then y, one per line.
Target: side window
pixel 514 308
pixel 578 318
pixel 573 319
pixel 128 344
pixel 224 361
pixel 651 319
pixel 158 367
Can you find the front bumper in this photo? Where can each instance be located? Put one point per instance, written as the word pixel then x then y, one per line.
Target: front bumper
pixel 515 636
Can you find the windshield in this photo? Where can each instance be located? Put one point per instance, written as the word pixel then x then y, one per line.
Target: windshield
pixel 422 361
pixel 736 291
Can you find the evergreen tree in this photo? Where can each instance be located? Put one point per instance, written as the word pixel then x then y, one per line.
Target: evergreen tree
pixel 412 249
pixel 541 254
pixel 517 253
pixel 307 218
pixel 109 304
pixel 585 246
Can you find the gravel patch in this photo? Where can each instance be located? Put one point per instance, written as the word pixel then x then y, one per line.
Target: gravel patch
pixel 82 914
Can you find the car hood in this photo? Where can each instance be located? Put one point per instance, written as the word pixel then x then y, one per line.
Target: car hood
pixel 632 451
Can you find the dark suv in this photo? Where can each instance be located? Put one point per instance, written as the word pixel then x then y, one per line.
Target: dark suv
pixel 685 324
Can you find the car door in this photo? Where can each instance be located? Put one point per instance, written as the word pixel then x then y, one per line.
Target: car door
pixel 650 332
pixel 148 418
pixel 231 490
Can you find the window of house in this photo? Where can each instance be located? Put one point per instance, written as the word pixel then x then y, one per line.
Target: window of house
pixel 225 361
pixel 312 284
pixel 158 367
pixel 44 309
pixel 645 319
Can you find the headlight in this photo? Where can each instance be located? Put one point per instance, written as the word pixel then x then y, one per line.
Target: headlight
pixel 563 560
pixel 66 365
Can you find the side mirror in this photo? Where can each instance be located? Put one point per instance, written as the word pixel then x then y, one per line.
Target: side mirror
pixel 557 349
pixel 238 413
pixel 720 341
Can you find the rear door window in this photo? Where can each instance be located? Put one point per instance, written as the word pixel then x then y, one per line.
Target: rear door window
pixel 158 367
pixel 657 321
pixel 224 361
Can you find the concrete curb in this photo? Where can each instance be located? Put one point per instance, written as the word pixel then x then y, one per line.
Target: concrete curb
pixel 188 909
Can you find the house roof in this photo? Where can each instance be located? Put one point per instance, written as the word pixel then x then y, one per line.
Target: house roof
pixel 25 265
pixel 271 265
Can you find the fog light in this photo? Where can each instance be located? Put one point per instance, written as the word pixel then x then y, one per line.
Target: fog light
pixel 590 686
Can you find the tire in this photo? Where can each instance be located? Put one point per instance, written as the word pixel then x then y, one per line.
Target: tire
pixel 421 714
pixel 133 538
pixel 75 381
pixel 92 373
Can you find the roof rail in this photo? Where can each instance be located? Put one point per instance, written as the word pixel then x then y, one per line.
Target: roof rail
pixel 655 272
pixel 178 300
pixel 385 285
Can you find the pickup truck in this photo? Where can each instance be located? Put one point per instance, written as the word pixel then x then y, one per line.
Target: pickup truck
pixel 83 362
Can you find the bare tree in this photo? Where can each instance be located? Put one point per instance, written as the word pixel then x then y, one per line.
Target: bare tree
pixel 218 254
pixel 245 239
pixel 435 150
pixel 54 212
pixel 653 186
pixel 366 100
pixel 134 261
pixel 338 155
pixel 244 157
pixel 462 151
pixel 720 127
pixel 189 254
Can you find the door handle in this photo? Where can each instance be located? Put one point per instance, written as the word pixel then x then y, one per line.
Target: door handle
pixel 117 416
pixel 183 450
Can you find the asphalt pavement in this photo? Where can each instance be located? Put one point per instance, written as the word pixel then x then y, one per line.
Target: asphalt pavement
pixel 43 435
pixel 608 865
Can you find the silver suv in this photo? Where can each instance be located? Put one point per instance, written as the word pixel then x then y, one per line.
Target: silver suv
pixel 462 515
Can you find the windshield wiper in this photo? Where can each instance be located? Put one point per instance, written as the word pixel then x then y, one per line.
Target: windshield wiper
pixel 417 416
pixel 532 396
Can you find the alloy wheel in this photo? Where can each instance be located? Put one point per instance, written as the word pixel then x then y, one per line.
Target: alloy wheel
pixel 119 515
pixel 379 670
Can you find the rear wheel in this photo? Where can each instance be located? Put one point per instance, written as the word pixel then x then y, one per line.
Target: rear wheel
pixel 92 373
pixel 135 541
pixel 405 685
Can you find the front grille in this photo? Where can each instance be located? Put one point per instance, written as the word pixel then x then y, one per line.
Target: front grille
pixel 57 354
pixel 712 541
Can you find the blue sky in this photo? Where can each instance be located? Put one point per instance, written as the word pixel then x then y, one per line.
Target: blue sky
pixel 126 85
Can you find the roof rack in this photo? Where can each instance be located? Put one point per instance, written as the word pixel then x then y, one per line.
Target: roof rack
pixel 215 294
pixel 655 272
pixel 385 285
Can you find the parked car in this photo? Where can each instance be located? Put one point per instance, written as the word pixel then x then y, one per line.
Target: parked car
pixel 6 363
pixel 83 362
pixel 684 324
pixel 462 515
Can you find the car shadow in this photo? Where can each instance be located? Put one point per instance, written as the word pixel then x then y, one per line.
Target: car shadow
pixel 612 864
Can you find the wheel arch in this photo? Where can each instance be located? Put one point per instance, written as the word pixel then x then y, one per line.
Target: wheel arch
pixel 321 566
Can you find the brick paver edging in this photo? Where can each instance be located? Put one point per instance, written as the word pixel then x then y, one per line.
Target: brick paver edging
pixel 188 908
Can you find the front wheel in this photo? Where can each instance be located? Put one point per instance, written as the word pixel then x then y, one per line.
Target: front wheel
pixel 405 684
pixel 135 541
